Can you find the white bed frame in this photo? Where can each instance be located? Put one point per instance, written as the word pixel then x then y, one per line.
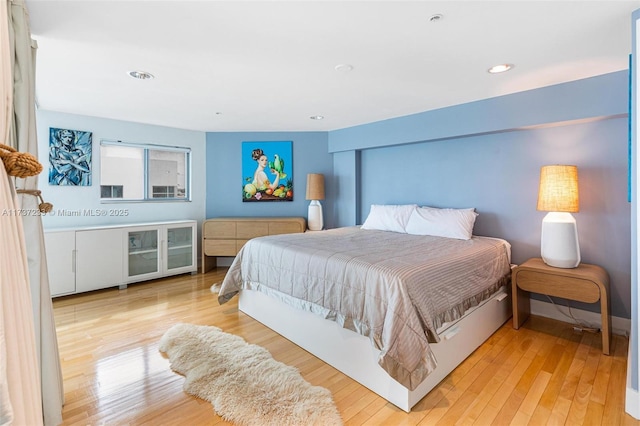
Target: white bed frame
pixel 354 355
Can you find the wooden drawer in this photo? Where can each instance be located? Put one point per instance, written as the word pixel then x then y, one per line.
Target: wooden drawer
pixel 248 230
pixel 276 228
pixel 219 229
pixel 225 236
pixel 216 247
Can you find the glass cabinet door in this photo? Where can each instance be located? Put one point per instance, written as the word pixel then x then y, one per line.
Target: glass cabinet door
pixel 179 247
pixel 144 256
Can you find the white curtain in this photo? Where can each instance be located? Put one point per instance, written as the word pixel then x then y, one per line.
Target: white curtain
pixel 22 136
pixel 6 102
pixel 6 85
pixel 20 390
pixel 21 397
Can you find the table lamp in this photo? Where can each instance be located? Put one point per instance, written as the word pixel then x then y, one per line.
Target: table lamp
pixel 315 192
pixel 558 195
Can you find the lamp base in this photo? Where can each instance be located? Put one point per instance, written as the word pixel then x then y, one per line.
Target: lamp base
pixel 314 216
pixel 559 245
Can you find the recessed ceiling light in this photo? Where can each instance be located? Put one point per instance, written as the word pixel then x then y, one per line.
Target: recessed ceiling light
pixel 344 68
pixel 435 18
pixel 317 117
pixel 500 68
pixel 141 75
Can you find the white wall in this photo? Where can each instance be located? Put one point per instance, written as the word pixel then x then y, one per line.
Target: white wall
pixel 76 206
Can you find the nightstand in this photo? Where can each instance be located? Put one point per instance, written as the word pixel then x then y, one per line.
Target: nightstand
pixel 586 283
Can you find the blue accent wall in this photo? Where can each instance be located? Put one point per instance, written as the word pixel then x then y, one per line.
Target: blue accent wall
pixel 498 175
pixel 485 154
pixel 346 180
pixel 488 154
pixel 224 174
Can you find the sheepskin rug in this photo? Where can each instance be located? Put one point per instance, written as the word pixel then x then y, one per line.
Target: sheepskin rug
pixel 242 381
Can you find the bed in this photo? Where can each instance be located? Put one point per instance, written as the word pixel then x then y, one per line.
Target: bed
pixel 395 311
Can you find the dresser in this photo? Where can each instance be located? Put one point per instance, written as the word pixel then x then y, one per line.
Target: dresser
pixel 225 236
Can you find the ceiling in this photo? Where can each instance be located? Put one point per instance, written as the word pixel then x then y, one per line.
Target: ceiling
pixel 271 65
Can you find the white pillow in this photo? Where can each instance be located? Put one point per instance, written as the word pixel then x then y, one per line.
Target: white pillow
pixel 384 217
pixel 451 223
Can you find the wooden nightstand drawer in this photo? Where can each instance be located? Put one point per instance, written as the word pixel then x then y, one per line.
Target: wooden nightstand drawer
pixel 577 289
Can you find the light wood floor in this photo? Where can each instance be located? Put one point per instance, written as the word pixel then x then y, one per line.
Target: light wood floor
pixel 544 373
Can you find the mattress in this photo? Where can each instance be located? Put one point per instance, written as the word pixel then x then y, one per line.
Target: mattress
pixel 395 288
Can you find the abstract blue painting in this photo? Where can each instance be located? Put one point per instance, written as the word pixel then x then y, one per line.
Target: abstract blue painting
pixel 69 157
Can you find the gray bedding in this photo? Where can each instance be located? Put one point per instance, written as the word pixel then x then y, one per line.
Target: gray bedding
pixel 397 289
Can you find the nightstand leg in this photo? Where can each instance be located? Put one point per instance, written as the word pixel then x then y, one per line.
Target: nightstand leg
pixel 606 324
pixel 521 305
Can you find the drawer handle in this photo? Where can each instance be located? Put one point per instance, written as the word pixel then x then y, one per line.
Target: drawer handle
pixel 501 297
pixel 451 333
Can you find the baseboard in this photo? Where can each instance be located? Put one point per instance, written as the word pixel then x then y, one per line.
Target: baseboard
pixel 632 402
pixel 619 325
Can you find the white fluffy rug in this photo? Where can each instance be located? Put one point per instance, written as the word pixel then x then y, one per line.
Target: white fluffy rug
pixel 243 382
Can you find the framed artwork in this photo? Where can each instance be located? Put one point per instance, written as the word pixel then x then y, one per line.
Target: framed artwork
pixel 69 157
pixel 267 171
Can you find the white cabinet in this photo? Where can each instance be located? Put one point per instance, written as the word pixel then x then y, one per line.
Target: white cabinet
pixel 98 259
pixel 142 245
pixel 180 248
pixel 86 259
pixel 159 250
pixel 61 252
pixel 83 260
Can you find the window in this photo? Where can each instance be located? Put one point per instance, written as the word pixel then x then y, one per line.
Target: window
pixel 110 191
pixel 164 191
pixel 144 172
